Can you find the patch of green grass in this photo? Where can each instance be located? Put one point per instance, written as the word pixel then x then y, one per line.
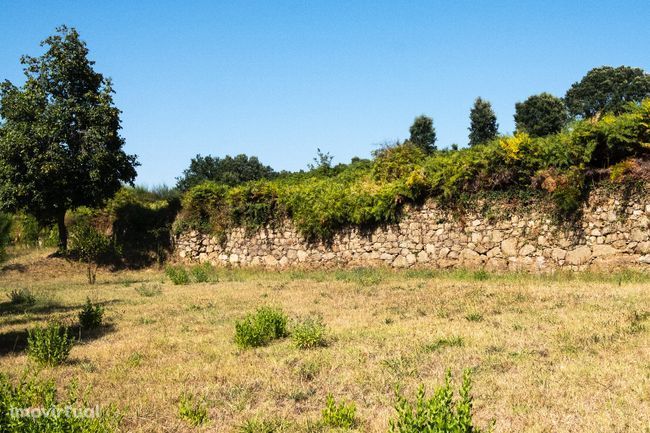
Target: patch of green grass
pixel 444 342
pixel 474 316
pixel 202 273
pixel 148 291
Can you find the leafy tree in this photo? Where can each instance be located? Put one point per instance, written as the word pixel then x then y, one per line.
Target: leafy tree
pixel 423 134
pixel 60 146
pixel 5 227
pixel 483 123
pixel 607 89
pixel 540 115
pixel 228 170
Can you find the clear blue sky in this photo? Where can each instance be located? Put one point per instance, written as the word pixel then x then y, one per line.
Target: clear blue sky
pixel 278 79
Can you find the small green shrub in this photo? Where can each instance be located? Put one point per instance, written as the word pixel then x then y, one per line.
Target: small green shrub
pixel 440 413
pixel 178 275
pixel 90 317
pixel 309 333
pixel 30 396
pixel 481 275
pixel 192 409
pixel 202 273
pixel 260 328
pixel 91 247
pixel 22 297
pixel 341 415
pixel 148 291
pixel 50 345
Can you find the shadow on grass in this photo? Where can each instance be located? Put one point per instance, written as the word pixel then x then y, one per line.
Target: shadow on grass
pixel 14 342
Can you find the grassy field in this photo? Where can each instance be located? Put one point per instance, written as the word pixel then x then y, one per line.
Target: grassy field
pixel 556 353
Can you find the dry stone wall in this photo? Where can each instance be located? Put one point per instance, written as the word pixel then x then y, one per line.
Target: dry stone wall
pixel 613 232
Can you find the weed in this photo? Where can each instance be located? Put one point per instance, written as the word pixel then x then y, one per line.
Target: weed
pixel 260 328
pixel 178 275
pixel 22 297
pixel 309 333
pixel 202 273
pixel 474 316
pixel 339 415
pixel 148 291
pixel 439 413
pixel 192 409
pixel 444 342
pixel 50 345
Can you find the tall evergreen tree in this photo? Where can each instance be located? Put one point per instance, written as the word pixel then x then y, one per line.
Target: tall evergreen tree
pixel 423 134
pixel 60 146
pixel 483 123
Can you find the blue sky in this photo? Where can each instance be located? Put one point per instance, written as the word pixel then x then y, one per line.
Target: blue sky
pixel 278 79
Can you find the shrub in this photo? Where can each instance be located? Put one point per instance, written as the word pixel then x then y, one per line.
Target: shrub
pixel 50 345
pixel 192 409
pixel 260 328
pixel 440 413
pixel 261 426
pixel 177 274
pixel 202 273
pixel 341 415
pixel 22 297
pixel 90 317
pixel 5 228
pixel 34 393
pixel 91 246
pixel 309 333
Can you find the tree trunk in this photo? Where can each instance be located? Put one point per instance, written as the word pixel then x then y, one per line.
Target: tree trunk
pixel 63 232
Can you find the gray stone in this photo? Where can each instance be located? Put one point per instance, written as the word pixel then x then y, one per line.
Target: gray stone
pixel 509 247
pixel 578 256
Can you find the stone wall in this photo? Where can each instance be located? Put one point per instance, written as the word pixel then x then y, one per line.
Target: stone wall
pixel 613 232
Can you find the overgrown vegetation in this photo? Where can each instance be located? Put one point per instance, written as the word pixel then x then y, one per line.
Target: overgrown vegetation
pixel 47 412
pixel 561 166
pixel 49 345
pixel 91 247
pixel 439 413
pixel 260 328
pixel 22 297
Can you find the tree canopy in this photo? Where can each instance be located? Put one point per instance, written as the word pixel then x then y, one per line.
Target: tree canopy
pixel 423 134
pixel 540 115
pixel 483 123
pixel 60 146
pixel 607 89
pixel 228 170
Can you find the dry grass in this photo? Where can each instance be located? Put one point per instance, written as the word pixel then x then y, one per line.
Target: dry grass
pixel 549 354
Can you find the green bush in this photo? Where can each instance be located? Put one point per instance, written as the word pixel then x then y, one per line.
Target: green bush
pixel 22 297
pixel 192 409
pixel 177 274
pixel 50 345
pixel 339 415
pixel 439 413
pixel 309 333
pixel 260 328
pixel 33 394
pixel 90 317
pixel 5 230
pixel 202 273
pixel 261 426
pixel 91 247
